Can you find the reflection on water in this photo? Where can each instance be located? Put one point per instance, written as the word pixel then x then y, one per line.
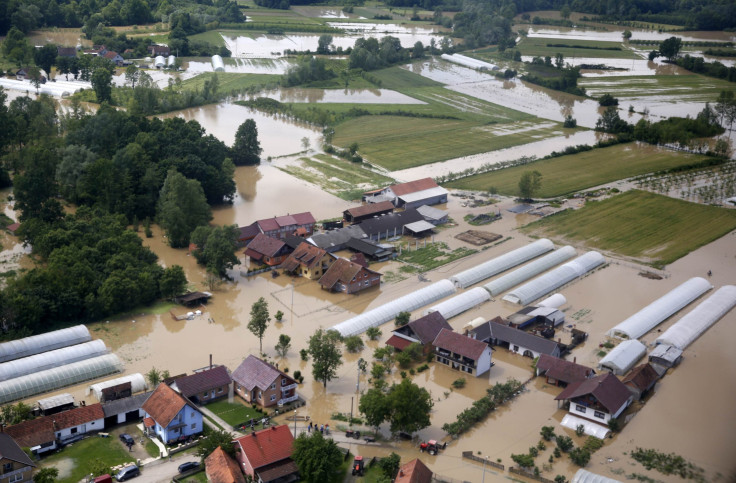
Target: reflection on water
pixel 243 66
pixel 629 66
pixel 360 96
pixel 615 35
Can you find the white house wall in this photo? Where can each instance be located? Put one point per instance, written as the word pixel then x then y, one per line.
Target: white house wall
pixel 483 364
pixel 84 428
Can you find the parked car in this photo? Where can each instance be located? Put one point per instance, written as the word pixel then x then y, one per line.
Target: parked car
pixel 103 479
pixel 188 466
pixel 127 473
pixel 127 439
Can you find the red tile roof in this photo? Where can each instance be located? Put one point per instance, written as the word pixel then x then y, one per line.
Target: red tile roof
pixel 413 186
pixel 398 342
pixel 305 218
pixel 263 245
pixel 285 220
pixel 13 227
pixel 33 433
pixel 253 372
pixel 267 446
pixel 426 328
pixel 606 388
pixel 203 381
pixel 110 55
pixel 164 404
pixel 268 224
pixel 642 377
pixel 221 468
pixel 78 416
pixel 414 472
pixel 344 271
pixel 370 208
pixel 305 254
pixel 271 224
pixel 562 370
pixel 149 422
pixel 459 344
pixel 248 232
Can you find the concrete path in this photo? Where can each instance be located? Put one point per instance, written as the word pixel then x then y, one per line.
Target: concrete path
pixel 219 421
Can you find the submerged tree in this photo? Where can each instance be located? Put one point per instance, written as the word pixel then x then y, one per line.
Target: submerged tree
pixel 326 358
pixel 247 150
pixel 259 320
pixel 182 208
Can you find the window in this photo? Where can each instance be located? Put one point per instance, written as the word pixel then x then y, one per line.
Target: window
pixel 259 395
pixel 191 415
pixel 579 408
pixel 599 415
pixel 219 391
pixel 284 382
pixel 194 426
pixel 273 386
pixel 16 477
pixel 74 430
pixel 7 467
pixel 273 397
pixel 206 395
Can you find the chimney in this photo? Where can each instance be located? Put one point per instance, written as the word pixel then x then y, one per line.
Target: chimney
pixel 277 365
pixel 210 361
pixel 83 403
pixel 574 359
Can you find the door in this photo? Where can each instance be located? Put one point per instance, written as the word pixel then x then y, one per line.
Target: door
pixel 212 394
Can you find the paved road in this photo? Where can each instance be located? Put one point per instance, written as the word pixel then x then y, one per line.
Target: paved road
pixel 163 470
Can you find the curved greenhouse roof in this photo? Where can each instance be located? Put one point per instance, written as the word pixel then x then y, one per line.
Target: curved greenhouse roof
pixel 584 476
pixel 529 270
pixel 137 384
pixel 460 303
pixel 623 356
pixel 590 428
pixel 692 325
pixel 384 313
pixel 51 359
pixel 658 311
pixel 15 349
pixel 553 301
pixel 58 377
pixel 501 263
pixel 541 286
pixel 217 64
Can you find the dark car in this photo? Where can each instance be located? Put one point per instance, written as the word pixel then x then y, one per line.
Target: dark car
pixel 127 439
pixel 188 466
pixel 127 473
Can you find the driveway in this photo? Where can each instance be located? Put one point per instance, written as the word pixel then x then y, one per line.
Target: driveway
pixel 162 471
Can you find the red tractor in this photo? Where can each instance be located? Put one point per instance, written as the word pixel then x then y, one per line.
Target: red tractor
pixel 432 447
pixel 358 466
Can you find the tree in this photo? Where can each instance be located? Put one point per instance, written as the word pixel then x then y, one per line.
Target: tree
pixel 45 58
pixel 607 100
pixel 326 358
pixel 373 333
pixel 610 122
pixel 530 183
pixel 132 74
pixel 410 406
pixel 216 438
pixel 182 208
pixel 284 344
pixel 353 343
pixel 390 465
pixel 570 122
pixel 670 48
pixel 102 84
pixel 523 460
pixel 418 50
pixel 173 282
pixel 216 248
pixel 564 443
pixel 246 149
pixel 16 47
pixel 580 456
pixel 547 432
pixel 323 44
pixel 259 319
pixel 46 475
pixel 374 406
pixel 565 12
pixel 35 75
pixel 154 377
pixel 317 457
pixel 402 319
pixel 626 34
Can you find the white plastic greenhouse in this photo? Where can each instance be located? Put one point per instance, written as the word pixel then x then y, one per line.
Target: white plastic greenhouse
pixel 469 62
pixel 217 64
pixel 623 357
pixel 501 263
pixel 661 309
pixel 584 476
pixel 691 326
pixel 171 61
pixel 159 62
pixel 531 269
pixel 460 303
pixel 384 313
pixel 590 428
pixel 553 301
pixel 541 286
pixel 58 377
pixel 15 349
pixel 137 384
pixel 51 359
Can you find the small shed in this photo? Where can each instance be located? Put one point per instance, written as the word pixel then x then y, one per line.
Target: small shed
pixel 641 380
pixel 665 355
pixel 192 299
pixel 433 215
pixel 55 404
pixel 623 357
pixel 419 229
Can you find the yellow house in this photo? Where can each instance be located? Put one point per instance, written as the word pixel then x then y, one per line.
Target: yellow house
pixel 15 465
pixel 308 261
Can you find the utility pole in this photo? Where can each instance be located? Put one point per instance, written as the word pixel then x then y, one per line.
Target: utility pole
pixel 295 429
pixel 362 364
pixel 350 423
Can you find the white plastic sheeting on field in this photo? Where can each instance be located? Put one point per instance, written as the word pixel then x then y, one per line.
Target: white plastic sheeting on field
pixel 585 476
pixel 469 62
pixel 51 359
pixel 590 428
pixel 460 303
pixel 541 286
pixel 217 64
pixel 52 379
pixel 384 313
pixel 691 326
pixel 530 270
pixel 623 357
pixel 15 349
pixel 501 263
pixel 137 384
pixel 553 301
pixel 661 309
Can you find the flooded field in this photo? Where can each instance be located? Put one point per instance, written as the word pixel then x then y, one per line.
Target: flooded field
pixel 614 34
pixel 65 37
pixel 359 96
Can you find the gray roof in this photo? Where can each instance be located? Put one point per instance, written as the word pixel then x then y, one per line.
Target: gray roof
pixel 426 328
pixel 518 337
pixel 431 213
pixel 423 194
pixel 419 226
pixel 125 405
pixel 396 221
pixel 253 372
pixel 666 352
pixel 9 449
pixel 55 401
pixel 366 246
pixel 337 238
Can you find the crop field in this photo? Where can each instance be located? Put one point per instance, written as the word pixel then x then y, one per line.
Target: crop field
pixel 568 174
pixel 652 228
pixel 574 48
pixel 690 87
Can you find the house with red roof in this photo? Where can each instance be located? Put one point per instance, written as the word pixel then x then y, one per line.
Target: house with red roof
pixel 265 250
pixel 259 382
pixel 265 455
pixel 348 277
pixel 298 224
pixel 114 57
pixel 73 424
pixel 204 386
pixel 462 352
pixel 36 434
pixel 364 212
pixel 308 261
pixel 413 194
pixel 641 380
pixel 561 372
pixel 424 331
pixel 414 472
pixel 597 399
pixel 170 416
pixel 221 468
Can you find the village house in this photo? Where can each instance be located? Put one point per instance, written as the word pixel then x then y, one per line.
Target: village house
pixel 265 455
pixel 246 234
pixel 371 250
pixel 124 410
pixel 391 225
pixel 529 345
pixel 156 50
pixel 265 250
pixel 259 382
pixel 170 416
pixel 414 472
pixel 462 353
pixel 36 434
pixel 114 57
pixel 299 224
pixel 424 331
pixel 641 380
pixel 221 468
pixel 338 239
pixel 409 195
pixel 16 466
pixel 13 228
pixel 72 425
pixel 598 398
pixel 308 261
pixel 205 386
pixel 370 210
pixel 561 372
pixel 66 52
pixel 348 277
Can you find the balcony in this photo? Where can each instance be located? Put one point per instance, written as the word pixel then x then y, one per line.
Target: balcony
pixel 289 387
pixel 287 400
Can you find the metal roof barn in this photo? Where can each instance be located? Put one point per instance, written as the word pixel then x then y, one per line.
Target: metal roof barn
pixel 384 313
pixel 15 349
pixel 623 357
pixel 541 286
pixel 691 326
pixel 460 303
pixel 661 309
pixel 137 384
pixel 531 269
pixel 52 379
pixel 501 263
pixel 51 359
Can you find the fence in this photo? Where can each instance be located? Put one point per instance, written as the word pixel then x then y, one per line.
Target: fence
pixel 531 476
pixel 469 455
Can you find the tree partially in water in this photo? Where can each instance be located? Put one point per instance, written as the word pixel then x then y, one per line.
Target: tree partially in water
pixel 247 149
pixel 182 208
pixel 259 320
pixel 326 358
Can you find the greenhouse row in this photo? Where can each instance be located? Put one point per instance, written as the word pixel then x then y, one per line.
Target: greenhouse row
pixel 460 303
pixel 53 379
pixel 137 384
pixel 28 346
pixel 623 357
pixel 530 270
pixel 51 359
pixel 661 309
pixel 691 326
pixel 541 286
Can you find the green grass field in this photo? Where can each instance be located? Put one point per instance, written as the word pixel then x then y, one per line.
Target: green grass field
pixel 231 82
pixel 652 228
pixel 84 456
pixel 538 46
pixel 234 413
pixel 689 87
pixel 567 174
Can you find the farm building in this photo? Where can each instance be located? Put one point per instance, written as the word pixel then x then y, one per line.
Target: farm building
pixel 585 476
pixel 561 372
pixel 597 399
pixel 554 301
pixel 55 404
pixel 266 455
pixel 72 425
pixel 531 269
pixel 495 332
pixel 299 224
pixel 623 357
pixel 36 434
pixel 391 225
pixel 51 359
pixel 501 263
pixel 171 61
pixel 58 377
pixel 665 355
pixel 159 62
pixel 419 229
pixel 308 261
pixel 536 315
pixel 247 233
pixel 266 250
pixel 348 277
pixel 469 62
pixel 137 384
pixel 205 386
pixel 661 309
pixel 335 240
pixel 541 286
pixel 640 380
pixel 374 251
pixel 375 317
pixel 433 215
pixel 410 195
pixel 460 303
pixel 15 349
pixel 124 410
pixel 462 352
pixel 691 326
pixel 365 212
pixel 423 331
pixel 217 64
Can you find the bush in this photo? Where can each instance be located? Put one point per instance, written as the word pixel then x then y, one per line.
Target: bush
pixel 608 100
pixel 373 333
pixel 580 429
pixel 570 122
pixel 564 443
pixel 523 460
pixel 304 354
pixel 278 316
pixel 547 432
pixel 402 319
pixel 533 451
pixel 404 359
pixel 580 456
pixel 459 383
pixel 353 343
pixel 423 368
